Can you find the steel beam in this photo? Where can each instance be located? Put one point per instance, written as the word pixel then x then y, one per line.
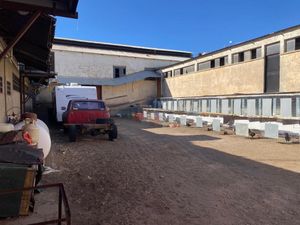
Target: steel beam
pixel 22 32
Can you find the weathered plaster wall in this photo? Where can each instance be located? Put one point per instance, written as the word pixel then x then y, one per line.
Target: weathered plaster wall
pixel 75 61
pixel 8 66
pixel 138 91
pixel 290 72
pixel 245 77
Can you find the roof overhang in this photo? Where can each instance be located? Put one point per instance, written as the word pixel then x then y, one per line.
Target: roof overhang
pixel 65 8
pixel 34 47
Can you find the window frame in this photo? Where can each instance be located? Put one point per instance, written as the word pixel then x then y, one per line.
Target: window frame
pixel 121 71
pixel 16 83
pixel 8 87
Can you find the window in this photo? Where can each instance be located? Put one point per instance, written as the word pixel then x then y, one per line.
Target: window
pixel 177 72
pixel 273 49
pixel 217 62
pixel 119 71
pixel 212 64
pixel 238 57
pixel 255 53
pixel 1 85
pixel 86 105
pixel 168 74
pixel 203 65
pixel 16 83
pixel 241 57
pixel 247 55
pixel 8 86
pixel 235 58
pixel 292 44
pixel 224 61
pixel 188 69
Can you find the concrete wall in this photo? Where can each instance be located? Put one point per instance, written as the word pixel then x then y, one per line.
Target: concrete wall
pixel 77 61
pixel 138 91
pixel 290 72
pixel 227 80
pixel 8 103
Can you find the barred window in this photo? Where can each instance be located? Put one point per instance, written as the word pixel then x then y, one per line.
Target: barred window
pixel 16 83
pixel 8 87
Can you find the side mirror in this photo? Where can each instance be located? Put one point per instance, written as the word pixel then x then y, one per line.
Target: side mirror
pixel 63 108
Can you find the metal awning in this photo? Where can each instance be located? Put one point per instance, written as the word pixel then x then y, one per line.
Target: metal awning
pixel 34 47
pixel 142 75
pixel 65 8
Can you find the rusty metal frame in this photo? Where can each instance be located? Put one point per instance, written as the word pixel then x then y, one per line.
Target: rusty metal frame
pixel 21 33
pixel 62 201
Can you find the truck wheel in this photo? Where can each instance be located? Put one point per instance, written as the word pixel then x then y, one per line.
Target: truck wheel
pixel 113 133
pixel 72 133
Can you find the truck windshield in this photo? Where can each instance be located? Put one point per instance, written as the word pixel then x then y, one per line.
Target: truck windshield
pixel 85 105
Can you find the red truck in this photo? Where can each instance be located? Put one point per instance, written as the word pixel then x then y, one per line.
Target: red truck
pixel 88 116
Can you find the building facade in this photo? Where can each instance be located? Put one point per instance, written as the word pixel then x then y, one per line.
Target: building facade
pixel 259 77
pixel 269 64
pixel 122 74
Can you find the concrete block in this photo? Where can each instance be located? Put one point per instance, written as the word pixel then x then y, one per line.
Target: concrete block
pixel 183 120
pixel 271 130
pixel 199 121
pixel 216 125
pixel 241 129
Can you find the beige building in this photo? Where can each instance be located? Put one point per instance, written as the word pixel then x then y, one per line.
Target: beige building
pixel 268 64
pixel 123 74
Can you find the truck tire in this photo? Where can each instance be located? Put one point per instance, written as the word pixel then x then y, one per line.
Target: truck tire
pixel 72 131
pixel 113 133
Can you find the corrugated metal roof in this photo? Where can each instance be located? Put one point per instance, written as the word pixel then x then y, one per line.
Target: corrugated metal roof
pixel 108 82
pixel 121 47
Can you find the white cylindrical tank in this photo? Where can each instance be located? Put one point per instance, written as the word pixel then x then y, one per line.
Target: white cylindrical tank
pixel 44 141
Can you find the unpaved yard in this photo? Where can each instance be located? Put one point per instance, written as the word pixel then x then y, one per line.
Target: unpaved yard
pixel 177 176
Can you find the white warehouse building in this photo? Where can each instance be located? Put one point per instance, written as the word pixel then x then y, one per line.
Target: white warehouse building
pixel 123 74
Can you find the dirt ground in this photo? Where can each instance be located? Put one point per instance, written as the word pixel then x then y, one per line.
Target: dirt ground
pixel 175 176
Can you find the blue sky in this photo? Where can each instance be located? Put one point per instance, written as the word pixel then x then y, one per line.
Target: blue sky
pixel 189 25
